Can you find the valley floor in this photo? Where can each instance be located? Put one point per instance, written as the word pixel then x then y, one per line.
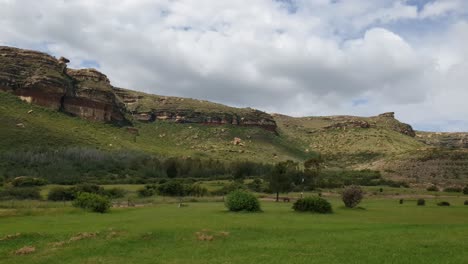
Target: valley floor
pixel 382 231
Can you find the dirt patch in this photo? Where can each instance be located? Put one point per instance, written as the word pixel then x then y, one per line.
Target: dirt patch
pixel 82 236
pixel 10 237
pixel 208 235
pixel 25 250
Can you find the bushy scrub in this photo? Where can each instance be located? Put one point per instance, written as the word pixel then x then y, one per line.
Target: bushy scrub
pixel 148 191
pixel 28 182
pixel 242 201
pixel 352 196
pixel 92 202
pixel 465 190
pixel 453 189
pixel 61 194
pixel 432 188
pixel 466 202
pixel 444 203
pixel 114 193
pixel 421 202
pixel 313 204
pixel 26 193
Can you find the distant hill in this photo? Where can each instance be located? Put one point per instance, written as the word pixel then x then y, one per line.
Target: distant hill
pixel 42 99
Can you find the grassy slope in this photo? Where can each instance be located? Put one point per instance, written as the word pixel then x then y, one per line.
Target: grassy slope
pixel 383 233
pixel 350 146
pixel 48 128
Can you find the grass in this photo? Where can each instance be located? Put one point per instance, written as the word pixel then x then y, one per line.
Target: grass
pixel 385 232
pixel 50 129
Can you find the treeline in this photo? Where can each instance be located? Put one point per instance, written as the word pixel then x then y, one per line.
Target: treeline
pixel 78 165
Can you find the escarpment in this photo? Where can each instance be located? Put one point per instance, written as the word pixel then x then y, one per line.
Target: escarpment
pixel 41 79
pixel 150 108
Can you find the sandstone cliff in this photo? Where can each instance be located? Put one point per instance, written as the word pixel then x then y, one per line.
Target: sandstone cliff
pixel 39 78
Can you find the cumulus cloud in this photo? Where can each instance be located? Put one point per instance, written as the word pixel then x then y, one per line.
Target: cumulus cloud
pixel 292 56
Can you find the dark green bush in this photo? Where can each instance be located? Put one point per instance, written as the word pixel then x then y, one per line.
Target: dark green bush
pixel 242 201
pixel 24 181
pixel 432 188
pixel 453 189
pixel 92 202
pixel 352 196
pixel 465 190
pixel 421 202
pixel 466 202
pixel 61 194
pixel 195 190
pixel 313 204
pixel 148 191
pixel 402 201
pixel 88 188
pixel 443 203
pixel 114 193
pixel 172 188
pixel 26 193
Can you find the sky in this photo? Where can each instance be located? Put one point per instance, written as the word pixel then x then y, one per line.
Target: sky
pixel 296 57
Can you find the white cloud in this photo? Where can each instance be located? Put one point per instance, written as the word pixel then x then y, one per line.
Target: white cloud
pixel 298 57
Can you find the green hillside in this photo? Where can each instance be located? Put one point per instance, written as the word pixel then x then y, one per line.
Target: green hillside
pixel 52 129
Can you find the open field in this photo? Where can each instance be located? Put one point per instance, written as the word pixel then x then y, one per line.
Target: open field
pixel 383 232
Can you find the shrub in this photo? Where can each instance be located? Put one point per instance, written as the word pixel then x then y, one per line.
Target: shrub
pixel 352 196
pixel 466 202
pixel 453 189
pixel 313 204
pixel 148 191
pixel 115 193
pixel 61 194
pixel 432 188
pixel 27 193
pixel 88 188
pixel 171 188
pixel 401 201
pixel 196 190
pixel 465 190
pixel 24 181
pixel 242 201
pixel 444 203
pixel 421 202
pixel 92 202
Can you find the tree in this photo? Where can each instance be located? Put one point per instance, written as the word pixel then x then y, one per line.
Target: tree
pixel 171 168
pixel 312 168
pixel 282 176
pixel 352 196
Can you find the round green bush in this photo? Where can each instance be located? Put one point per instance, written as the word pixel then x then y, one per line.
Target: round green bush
pixel 92 202
pixel 61 194
pixel 313 204
pixel 465 190
pixel 352 196
pixel 466 202
pixel 443 203
pixel 421 202
pixel 242 201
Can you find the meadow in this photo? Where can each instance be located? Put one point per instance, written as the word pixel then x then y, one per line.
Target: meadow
pixel 380 231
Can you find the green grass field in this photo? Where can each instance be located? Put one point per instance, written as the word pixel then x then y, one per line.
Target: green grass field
pixel 382 232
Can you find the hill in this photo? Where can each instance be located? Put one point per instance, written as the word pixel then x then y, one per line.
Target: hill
pixel 42 99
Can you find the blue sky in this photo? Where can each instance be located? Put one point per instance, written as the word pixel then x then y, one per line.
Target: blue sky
pixel 297 57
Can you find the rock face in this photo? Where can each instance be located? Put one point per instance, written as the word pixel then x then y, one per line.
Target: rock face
pixel 445 140
pixel 390 121
pixel 151 108
pixel 41 79
pixel 33 76
pixel 92 97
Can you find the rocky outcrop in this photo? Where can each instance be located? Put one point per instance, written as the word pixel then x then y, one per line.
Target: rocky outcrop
pixel 151 108
pixel 39 78
pixel 444 140
pixel 33 76
pixel 388 120
pixel 92 97
pixel 349 124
